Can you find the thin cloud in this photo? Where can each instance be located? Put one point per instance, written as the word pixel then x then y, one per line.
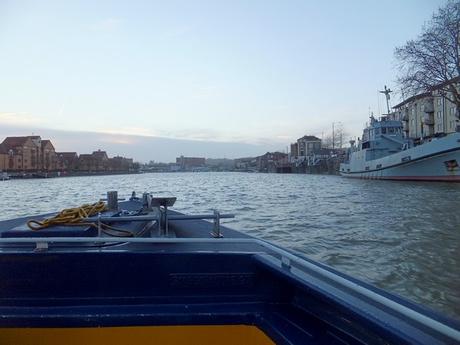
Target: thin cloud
pixel 208 135
pixel 18 118
pixel 123 140
pixel 173 33
pixel 138 131
pixel 107 24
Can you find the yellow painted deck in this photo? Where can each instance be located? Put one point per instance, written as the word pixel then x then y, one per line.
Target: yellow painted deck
pixel 164 335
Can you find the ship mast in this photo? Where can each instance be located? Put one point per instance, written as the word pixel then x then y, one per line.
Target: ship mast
pixel 387 92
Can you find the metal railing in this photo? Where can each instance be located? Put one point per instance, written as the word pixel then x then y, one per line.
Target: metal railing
pixel 163 219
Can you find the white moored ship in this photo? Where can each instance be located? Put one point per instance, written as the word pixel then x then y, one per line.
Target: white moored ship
pixel 384 153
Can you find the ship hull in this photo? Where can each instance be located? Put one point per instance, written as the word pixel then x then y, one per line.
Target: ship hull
pixel 437 160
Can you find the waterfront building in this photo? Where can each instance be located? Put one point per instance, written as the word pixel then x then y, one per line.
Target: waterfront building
pixel 118 163
pixel 427 114
pixel 85 162
pixel 190 163
pixel 305 146
pixel 174 167
pixel 271 161
pixel 446 116
pixel 416 114
pixel 294 150
pixel 246 164
pixel 97 161
pixel 30 154
pixel 100 161
pixel 3 158
pixel 22 153
pixel 308 145
pixel 48 154
pixel 67 161
pixel 220 164
pixel 27 153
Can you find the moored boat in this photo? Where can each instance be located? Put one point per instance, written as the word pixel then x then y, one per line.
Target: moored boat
pixel 383 153
pixel 136 272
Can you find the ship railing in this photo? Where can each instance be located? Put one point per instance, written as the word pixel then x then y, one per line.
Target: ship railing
pixel 161 216
pixel 163 219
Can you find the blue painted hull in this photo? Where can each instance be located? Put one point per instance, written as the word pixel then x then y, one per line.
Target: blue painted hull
pixel 193 279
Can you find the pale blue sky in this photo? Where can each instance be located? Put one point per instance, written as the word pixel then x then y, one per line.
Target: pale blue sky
pixel 257 72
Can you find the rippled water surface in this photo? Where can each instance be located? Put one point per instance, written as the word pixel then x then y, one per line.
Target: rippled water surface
pixel 401 236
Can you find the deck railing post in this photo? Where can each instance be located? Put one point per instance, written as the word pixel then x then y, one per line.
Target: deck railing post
pixel 216 233
pixel 166 220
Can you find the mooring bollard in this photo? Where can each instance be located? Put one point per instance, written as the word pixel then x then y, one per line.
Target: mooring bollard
pixel 112 200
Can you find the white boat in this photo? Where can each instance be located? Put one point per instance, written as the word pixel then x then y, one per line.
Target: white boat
pixel 384 153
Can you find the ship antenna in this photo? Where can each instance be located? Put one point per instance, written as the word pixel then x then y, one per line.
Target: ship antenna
pixel 387 92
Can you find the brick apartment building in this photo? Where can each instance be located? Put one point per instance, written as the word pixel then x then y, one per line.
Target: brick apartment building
pixel 31 154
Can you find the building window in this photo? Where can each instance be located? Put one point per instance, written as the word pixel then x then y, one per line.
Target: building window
pixel 439 101
pixel 452 111
pixel 439 128
pixel 438 114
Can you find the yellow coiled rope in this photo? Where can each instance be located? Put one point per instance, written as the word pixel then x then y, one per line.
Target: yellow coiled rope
pixel 69 216
pixel 74 217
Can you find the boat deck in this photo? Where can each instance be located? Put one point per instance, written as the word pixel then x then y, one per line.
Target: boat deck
pixel 192 279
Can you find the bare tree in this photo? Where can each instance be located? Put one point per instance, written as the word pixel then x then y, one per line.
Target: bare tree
pixel 335 139
pixel 432 61
pixel 338 135
pixel 327 141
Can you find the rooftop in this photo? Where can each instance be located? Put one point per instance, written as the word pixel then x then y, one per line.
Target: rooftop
pixel 427 93
pixel 310 138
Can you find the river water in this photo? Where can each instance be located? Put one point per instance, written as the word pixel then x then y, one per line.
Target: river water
pixel 400 236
